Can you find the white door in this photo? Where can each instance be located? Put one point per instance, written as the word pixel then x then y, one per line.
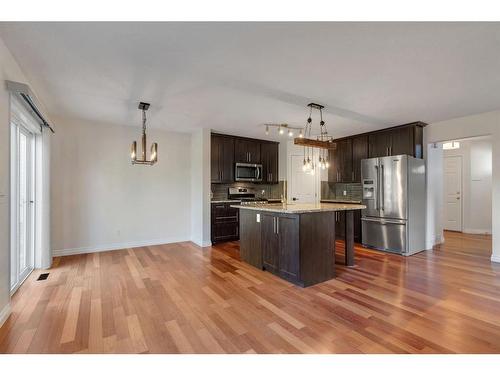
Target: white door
pixel 453 193
pixel 303 185
pixel 23 238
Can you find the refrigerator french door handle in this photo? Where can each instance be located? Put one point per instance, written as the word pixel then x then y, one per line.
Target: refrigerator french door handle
pixel 377 194
pixel 382 186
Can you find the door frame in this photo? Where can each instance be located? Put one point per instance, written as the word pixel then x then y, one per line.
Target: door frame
pixel 461 192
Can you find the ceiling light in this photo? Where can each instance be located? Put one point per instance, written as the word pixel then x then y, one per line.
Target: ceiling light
pixel 290 133
pixel 451 145
pixel 267 129
pixel 154 147
pixel 281 130
pixel 300 134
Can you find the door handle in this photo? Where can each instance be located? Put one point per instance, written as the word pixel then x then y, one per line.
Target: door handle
pixel 277 225
pixel 458 198
pixel 294 199
pixel 377 200
pixel 382 184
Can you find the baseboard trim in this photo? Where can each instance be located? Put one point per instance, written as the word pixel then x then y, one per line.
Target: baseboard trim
pixel 495 258
pixel 116 246
pixel 201 243
pixel 477 231
pixel 4 314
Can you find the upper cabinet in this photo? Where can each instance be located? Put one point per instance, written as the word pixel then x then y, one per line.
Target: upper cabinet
pixel 345 159
pixel 222 159
pixel 227 150
pixel 402 140
pixel 269 156
pixel 247 151
pixel 379 144
pixel 341 162
pixel 359 152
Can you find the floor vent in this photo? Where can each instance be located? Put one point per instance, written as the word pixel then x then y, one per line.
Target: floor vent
pixel 43 276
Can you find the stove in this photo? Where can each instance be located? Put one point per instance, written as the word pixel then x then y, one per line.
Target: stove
pixel 245 195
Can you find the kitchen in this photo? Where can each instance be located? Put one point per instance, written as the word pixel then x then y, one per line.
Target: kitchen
pixel 360 202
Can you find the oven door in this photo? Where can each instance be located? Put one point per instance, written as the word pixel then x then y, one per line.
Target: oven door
pixel 248 172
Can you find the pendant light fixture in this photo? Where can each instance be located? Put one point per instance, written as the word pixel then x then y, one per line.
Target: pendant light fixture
pixel 154 147
pixel 323 142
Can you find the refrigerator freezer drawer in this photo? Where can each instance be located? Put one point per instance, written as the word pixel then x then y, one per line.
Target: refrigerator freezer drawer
pixel 384 234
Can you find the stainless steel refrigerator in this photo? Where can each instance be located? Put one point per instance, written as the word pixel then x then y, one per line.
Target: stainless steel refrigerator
pixel 395 197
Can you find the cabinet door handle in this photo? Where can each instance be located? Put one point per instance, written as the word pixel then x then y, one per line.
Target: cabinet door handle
pixel 353 175
pixel 274 224
pixel 277 225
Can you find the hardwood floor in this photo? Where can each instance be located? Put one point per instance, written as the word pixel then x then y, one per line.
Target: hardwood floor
pixel 178 298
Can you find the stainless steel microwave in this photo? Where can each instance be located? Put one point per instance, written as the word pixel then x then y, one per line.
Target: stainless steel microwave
pixel 248 172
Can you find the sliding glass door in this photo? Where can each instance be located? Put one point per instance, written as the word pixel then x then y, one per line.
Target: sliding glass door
pixel 22 205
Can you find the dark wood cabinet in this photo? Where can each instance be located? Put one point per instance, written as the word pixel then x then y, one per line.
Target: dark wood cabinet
pixel 287 229
pixel 225 222
pixel 247 151
pixel 345 160
pixel 270 243
pixel 280 245
pixel 401 140
pixel 379 144
pixel 222 159
pixel 250 238
pixel 269 159
pixel 296 247
pixel 227 150
pixel 359 152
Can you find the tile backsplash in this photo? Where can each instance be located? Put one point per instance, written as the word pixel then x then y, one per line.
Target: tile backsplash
pixel 341 191
pixel 274 191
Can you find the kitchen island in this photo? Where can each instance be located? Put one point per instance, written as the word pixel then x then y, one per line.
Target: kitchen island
pixel 295 241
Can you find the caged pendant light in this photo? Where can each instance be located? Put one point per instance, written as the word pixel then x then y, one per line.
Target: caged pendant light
pixel 154 147
pixel 323 142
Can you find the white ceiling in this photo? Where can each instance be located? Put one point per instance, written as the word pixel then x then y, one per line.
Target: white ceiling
pixel 233 77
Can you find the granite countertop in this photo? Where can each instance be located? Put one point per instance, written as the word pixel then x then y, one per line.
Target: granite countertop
pixel 225 201
pixel 302 207
pixel 340 201
pixel 274 200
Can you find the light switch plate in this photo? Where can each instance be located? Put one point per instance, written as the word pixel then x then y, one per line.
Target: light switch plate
pixel 257 217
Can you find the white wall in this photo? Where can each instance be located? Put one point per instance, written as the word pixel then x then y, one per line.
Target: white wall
pixel 467 127
pixel 476 184
pixel 101 201
pixel 200 187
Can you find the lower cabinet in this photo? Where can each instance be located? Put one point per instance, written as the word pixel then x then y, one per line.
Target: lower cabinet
pixel 280 245
pixel 296 247
pixel 225 222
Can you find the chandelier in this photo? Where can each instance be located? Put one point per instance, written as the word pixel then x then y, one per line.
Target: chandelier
pixel 154 147
pixel 323 142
